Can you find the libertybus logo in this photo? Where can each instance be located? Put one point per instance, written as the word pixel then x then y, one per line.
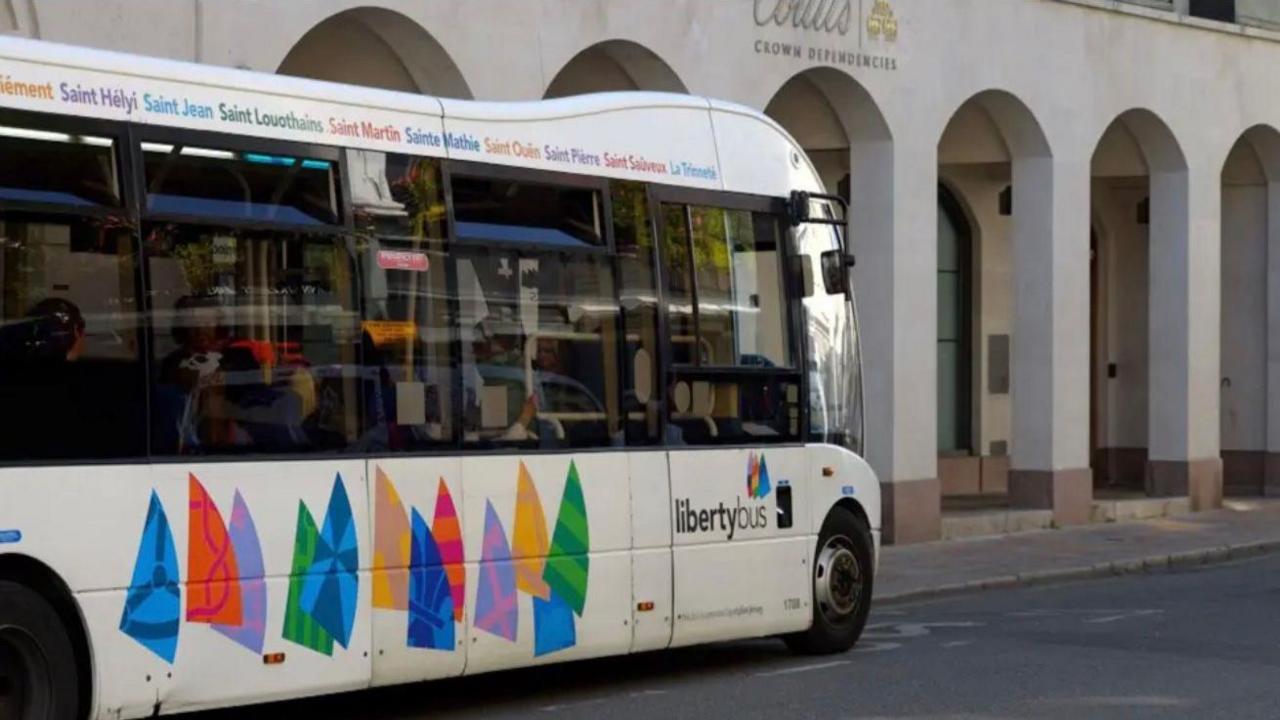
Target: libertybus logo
pixel 753 514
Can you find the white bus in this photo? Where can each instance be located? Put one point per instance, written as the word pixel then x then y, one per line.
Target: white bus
pixel 310 388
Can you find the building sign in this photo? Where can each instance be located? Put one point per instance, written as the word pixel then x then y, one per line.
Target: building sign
pixel 848 33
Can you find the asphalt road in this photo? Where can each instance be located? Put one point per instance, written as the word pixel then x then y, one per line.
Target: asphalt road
pixel 1198 643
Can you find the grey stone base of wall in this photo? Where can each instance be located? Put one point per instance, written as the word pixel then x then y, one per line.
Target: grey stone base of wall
pixel 1271 475
pixel 1244 472
pixel 1201 480
pixel 1068 493
pixel 1119 467
pixel 912 511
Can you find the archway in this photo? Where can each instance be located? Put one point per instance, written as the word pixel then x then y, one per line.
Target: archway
pixel 842 130
pixel 994 155
pixel 377 48
pixel 1140 188
pixel 1250 416
pixel 614 65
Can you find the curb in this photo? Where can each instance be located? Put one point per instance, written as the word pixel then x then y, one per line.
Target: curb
pixel 1151 564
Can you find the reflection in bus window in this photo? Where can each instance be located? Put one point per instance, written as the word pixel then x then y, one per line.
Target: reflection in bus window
pixel 71 370
pixel 399 207
pixel 681 326
pixel 187 180
pixel 727 264
pixel 728 313
pixel 56 167
pixel 741 306
pixel 256 338
pixel 539 349
pixel 633 238
pixel 492 209
pixel 745 409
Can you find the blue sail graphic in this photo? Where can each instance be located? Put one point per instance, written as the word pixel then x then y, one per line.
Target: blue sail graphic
pixel 153 605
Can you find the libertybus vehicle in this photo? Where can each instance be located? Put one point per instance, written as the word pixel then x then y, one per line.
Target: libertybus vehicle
pixel 311 388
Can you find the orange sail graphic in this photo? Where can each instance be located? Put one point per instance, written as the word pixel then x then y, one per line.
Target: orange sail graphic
pixel 529 540
pixel 213 576
pixel 448 534
pixel 390 547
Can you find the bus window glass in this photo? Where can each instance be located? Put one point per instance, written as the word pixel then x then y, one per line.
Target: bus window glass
pixel 727 314
pixel 743 409
pixel 71 371
pixel 399 209
pixel 185 180
pixel 55 167
pixel 727 263
pixel 539 349
pixel 488 209
pixel 256 339
pixel 741 306
pixel 633 238
pixel 835 386
pixel 681 330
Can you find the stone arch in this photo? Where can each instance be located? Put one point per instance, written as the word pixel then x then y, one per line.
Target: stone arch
pixel 1141 187
pixel 1249 389
pixel 379 48
pixel 995 153
pixel 614 65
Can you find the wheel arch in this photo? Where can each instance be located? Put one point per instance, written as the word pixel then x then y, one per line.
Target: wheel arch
pixel 852 506
pixel 42 579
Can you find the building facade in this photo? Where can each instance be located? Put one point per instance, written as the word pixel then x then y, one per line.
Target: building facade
pixel 1066 213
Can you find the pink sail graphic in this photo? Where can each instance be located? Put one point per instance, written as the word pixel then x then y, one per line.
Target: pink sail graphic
pixel 448 534
pixel 497 611
pixel 253 587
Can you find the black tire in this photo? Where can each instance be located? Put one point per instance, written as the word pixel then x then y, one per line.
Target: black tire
pixel 839 611
pixel 38 677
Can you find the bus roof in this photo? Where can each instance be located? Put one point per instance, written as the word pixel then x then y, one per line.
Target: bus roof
pixel 653 137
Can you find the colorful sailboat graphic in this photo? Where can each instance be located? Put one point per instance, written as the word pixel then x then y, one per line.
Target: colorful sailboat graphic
pixel 497 611
pixel 568 563
pixel 448 533
pixel 431 623
pixel 299 626
pixel 390 546
pixel 529 543
pixel 213 574
pixel 251 631
pixel 153 603
pixel 329 591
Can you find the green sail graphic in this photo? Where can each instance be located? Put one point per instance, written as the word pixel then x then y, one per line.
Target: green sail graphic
pixel 567 561
pixel 299 627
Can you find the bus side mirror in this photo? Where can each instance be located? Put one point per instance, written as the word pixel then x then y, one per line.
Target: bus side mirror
pixel 835 271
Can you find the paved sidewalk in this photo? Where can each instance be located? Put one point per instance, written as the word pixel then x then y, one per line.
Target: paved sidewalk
pixel 1245 528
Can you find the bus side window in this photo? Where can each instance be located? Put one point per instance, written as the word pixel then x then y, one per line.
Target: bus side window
pixel 538 315
pixel 633 238
pixel 71 368
pixel 256 328
pixel 407 372
pixel 733 377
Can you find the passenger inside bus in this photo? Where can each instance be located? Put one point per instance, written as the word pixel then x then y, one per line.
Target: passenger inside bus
pixel 496 347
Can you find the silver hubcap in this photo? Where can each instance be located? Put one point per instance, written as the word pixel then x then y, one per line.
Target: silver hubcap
pixel 838 580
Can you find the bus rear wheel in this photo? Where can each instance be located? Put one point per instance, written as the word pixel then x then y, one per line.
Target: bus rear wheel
pixel 38 678
pixel 842 581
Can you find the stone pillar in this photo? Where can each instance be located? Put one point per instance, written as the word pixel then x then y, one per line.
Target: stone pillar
pixel 1050 467
pixel 894 236
pixel 1185 301
pixel 1271 469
